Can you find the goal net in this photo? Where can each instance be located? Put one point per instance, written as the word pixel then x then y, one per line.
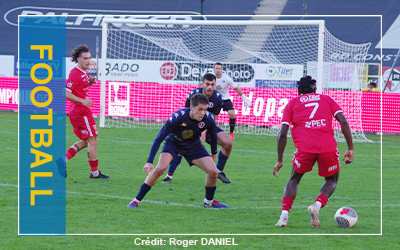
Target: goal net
pixel 150 66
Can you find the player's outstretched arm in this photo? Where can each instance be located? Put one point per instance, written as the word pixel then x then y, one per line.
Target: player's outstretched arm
pixel 244 98
pixel 349 154
pixel 281 140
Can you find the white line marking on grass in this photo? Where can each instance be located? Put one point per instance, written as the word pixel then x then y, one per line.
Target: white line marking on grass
pixel 233 149
pixel 196 206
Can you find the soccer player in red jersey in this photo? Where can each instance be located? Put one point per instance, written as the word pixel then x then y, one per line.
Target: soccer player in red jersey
pixel 80 115
pixel 312 133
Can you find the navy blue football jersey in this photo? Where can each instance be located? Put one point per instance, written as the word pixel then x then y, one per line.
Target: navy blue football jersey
pixel 215 101
pixel 185 132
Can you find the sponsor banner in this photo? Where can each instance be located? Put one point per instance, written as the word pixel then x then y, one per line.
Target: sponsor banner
pixel 246 75
pixel 128 70
pixel 9 94
pixel 193 72
pixel 280 71
pixel 16 66
pixel 276 76
pixel 41 129
pixel 336 75
pixel 393 84
pixel 6 65
pixel 118 99
pixel 276 84
pixel 160 100
pixel 90 19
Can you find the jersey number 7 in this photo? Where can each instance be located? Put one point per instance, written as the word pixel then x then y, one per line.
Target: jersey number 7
pixel 316 105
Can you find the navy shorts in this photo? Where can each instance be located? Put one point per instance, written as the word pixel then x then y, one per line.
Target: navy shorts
pixel 197 151
pixel 227 105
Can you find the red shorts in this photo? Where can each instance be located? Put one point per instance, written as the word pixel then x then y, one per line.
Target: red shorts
pixel 328 163
pixel 84 125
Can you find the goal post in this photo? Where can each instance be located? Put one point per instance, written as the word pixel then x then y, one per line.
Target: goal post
pixel 150 65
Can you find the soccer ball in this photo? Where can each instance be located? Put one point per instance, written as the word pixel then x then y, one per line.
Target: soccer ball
pixel 346 217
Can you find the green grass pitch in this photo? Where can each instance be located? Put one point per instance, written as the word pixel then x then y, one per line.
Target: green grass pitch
pixel 97 216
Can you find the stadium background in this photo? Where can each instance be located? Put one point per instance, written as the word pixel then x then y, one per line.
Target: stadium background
pixel 350 29
pixel 352 32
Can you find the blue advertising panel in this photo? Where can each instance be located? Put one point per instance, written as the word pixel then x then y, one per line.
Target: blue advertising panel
pixel 41 127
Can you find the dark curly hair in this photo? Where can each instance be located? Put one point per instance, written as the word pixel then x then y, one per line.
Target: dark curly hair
pixel 77 52
pixel 306 85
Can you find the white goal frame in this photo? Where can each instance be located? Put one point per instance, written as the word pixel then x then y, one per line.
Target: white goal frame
pixel 325 64
pixel 320 23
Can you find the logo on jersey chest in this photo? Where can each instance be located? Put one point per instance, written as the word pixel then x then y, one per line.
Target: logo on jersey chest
pixel 187 134
pixel 201 125
pixel 85 78
pixel 309 98
pixel 218 87
pixel 315 123
pixel 210 104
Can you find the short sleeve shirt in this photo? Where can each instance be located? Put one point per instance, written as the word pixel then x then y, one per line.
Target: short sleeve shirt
pixel 311 116
pixel 222 85
pixel 78 84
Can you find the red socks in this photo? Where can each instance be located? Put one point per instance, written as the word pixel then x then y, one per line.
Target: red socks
pixel 70 153
pixel 93 164
pixel 287 203
pixel 323 199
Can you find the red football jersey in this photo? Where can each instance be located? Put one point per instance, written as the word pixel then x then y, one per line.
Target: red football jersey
pixel 78 84
pixel 311 116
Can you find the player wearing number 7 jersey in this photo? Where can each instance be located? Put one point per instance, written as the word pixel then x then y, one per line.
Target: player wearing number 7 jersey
pixel 311 116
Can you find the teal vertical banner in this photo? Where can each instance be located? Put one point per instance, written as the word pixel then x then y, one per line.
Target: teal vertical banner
pixel 41 128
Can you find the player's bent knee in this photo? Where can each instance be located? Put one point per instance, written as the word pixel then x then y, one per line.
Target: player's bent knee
pixel 231 113
pixel 228 145
pixel 92 141
pixel 213 173
pixel 226 142
pixel 158 171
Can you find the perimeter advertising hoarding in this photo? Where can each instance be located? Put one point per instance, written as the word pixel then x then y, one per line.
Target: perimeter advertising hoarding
pixel 370 106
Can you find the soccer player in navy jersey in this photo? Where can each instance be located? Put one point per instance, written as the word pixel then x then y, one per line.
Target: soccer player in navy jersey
pixel 214 107
pixel 80 114
pixel 182 138
pixel 311 115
